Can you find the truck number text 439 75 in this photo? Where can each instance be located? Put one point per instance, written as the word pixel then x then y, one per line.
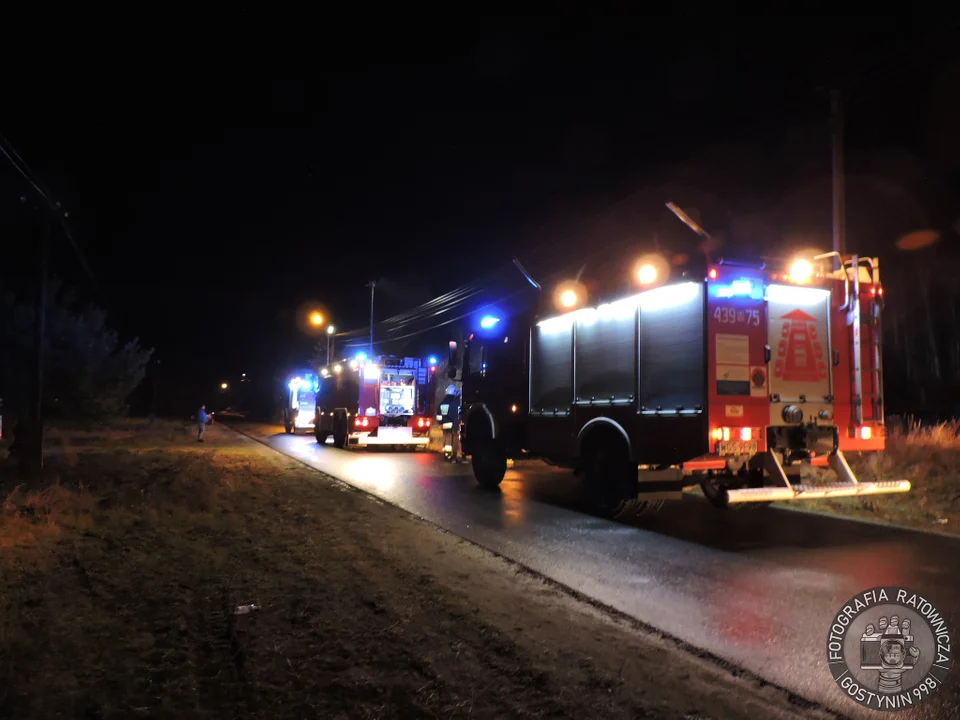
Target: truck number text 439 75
pixel 734 316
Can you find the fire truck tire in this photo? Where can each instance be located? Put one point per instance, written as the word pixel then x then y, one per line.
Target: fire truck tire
pixel 341 437
pixel 288 428
pixel 321 437
pixel 489 462
pixel 612 483
pixel 715 497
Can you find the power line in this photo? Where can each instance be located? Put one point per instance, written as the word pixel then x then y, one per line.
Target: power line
pixel 54 207
pixel 791 110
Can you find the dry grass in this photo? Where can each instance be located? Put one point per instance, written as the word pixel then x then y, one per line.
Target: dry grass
pixel 927 456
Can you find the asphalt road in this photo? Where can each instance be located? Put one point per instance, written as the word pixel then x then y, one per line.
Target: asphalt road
pixel 758 589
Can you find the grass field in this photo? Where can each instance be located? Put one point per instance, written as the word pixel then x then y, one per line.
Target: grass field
pixel 121 572
pixel 929 457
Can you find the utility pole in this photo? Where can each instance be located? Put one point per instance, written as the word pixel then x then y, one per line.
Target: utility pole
pixel 373 286
pixel 839 203
pixel 34 450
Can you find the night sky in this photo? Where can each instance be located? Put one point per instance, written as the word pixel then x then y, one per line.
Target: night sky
pixel 217 194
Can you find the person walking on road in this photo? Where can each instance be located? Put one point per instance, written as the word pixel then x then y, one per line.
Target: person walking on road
pixel 203 419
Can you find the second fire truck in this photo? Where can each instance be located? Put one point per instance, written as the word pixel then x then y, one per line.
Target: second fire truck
pixel 384 400
pixel 737 378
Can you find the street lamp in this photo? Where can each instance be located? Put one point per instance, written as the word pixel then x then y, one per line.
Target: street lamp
pixel 316 318
pixel 224 386
pixel 330 331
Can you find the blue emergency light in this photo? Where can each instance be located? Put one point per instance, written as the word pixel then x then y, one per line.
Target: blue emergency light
pixel 431 360
pixel 740 288
pixel 488 321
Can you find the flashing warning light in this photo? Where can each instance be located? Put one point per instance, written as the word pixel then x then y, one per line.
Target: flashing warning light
pixel 337 368
pixel 360 357
pixel 746 434
pixel 647 274
pixel 371 372
pixel 433 368
pixel 354 365
pixel 866 432
pixel 801 271
pixel 294 384
pixel 488 321
pixel 712 274
pixel 431 360
pixel 743 287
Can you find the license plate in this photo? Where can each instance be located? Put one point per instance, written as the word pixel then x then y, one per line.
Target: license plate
pixel 738 447
pixel 395 432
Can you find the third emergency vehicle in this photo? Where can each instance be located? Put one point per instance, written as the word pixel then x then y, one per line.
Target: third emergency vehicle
pixel 383 400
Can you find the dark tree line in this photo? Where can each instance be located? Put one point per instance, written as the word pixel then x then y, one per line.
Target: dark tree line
pixel 89 372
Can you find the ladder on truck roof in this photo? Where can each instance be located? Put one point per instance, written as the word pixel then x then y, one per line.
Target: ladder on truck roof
pixel 854 270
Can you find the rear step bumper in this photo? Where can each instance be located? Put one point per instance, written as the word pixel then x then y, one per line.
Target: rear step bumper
pixel 817 492
pixel 364 439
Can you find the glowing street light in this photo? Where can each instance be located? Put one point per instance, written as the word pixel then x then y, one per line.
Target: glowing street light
pixel 316 318
pixel 224 386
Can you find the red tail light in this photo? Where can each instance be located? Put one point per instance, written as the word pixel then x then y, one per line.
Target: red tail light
pixel 428 422
pixel 361 422
pixel 420 422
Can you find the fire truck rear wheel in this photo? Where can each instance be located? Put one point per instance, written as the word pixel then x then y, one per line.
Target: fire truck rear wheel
pixel 321 437
pixel 612 482
pixel 489 462
pixel 288 428
pixel 712 491
pixel 341 437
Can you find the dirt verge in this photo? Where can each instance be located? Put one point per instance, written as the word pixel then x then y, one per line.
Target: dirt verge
pixel 119 587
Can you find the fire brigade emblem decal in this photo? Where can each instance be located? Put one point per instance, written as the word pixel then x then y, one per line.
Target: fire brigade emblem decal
pixel 888 648
pixel 799 352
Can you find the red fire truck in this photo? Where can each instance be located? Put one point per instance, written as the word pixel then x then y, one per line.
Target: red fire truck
pixel 738 378
pixel 383 400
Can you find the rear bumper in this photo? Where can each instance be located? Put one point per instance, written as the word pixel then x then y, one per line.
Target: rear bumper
pixel 816 492
pixel 365 439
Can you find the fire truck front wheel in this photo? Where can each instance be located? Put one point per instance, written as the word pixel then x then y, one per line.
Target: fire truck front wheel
pixel 489 461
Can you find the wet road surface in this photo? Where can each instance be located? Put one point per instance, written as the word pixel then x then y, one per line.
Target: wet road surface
pixel 756 588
